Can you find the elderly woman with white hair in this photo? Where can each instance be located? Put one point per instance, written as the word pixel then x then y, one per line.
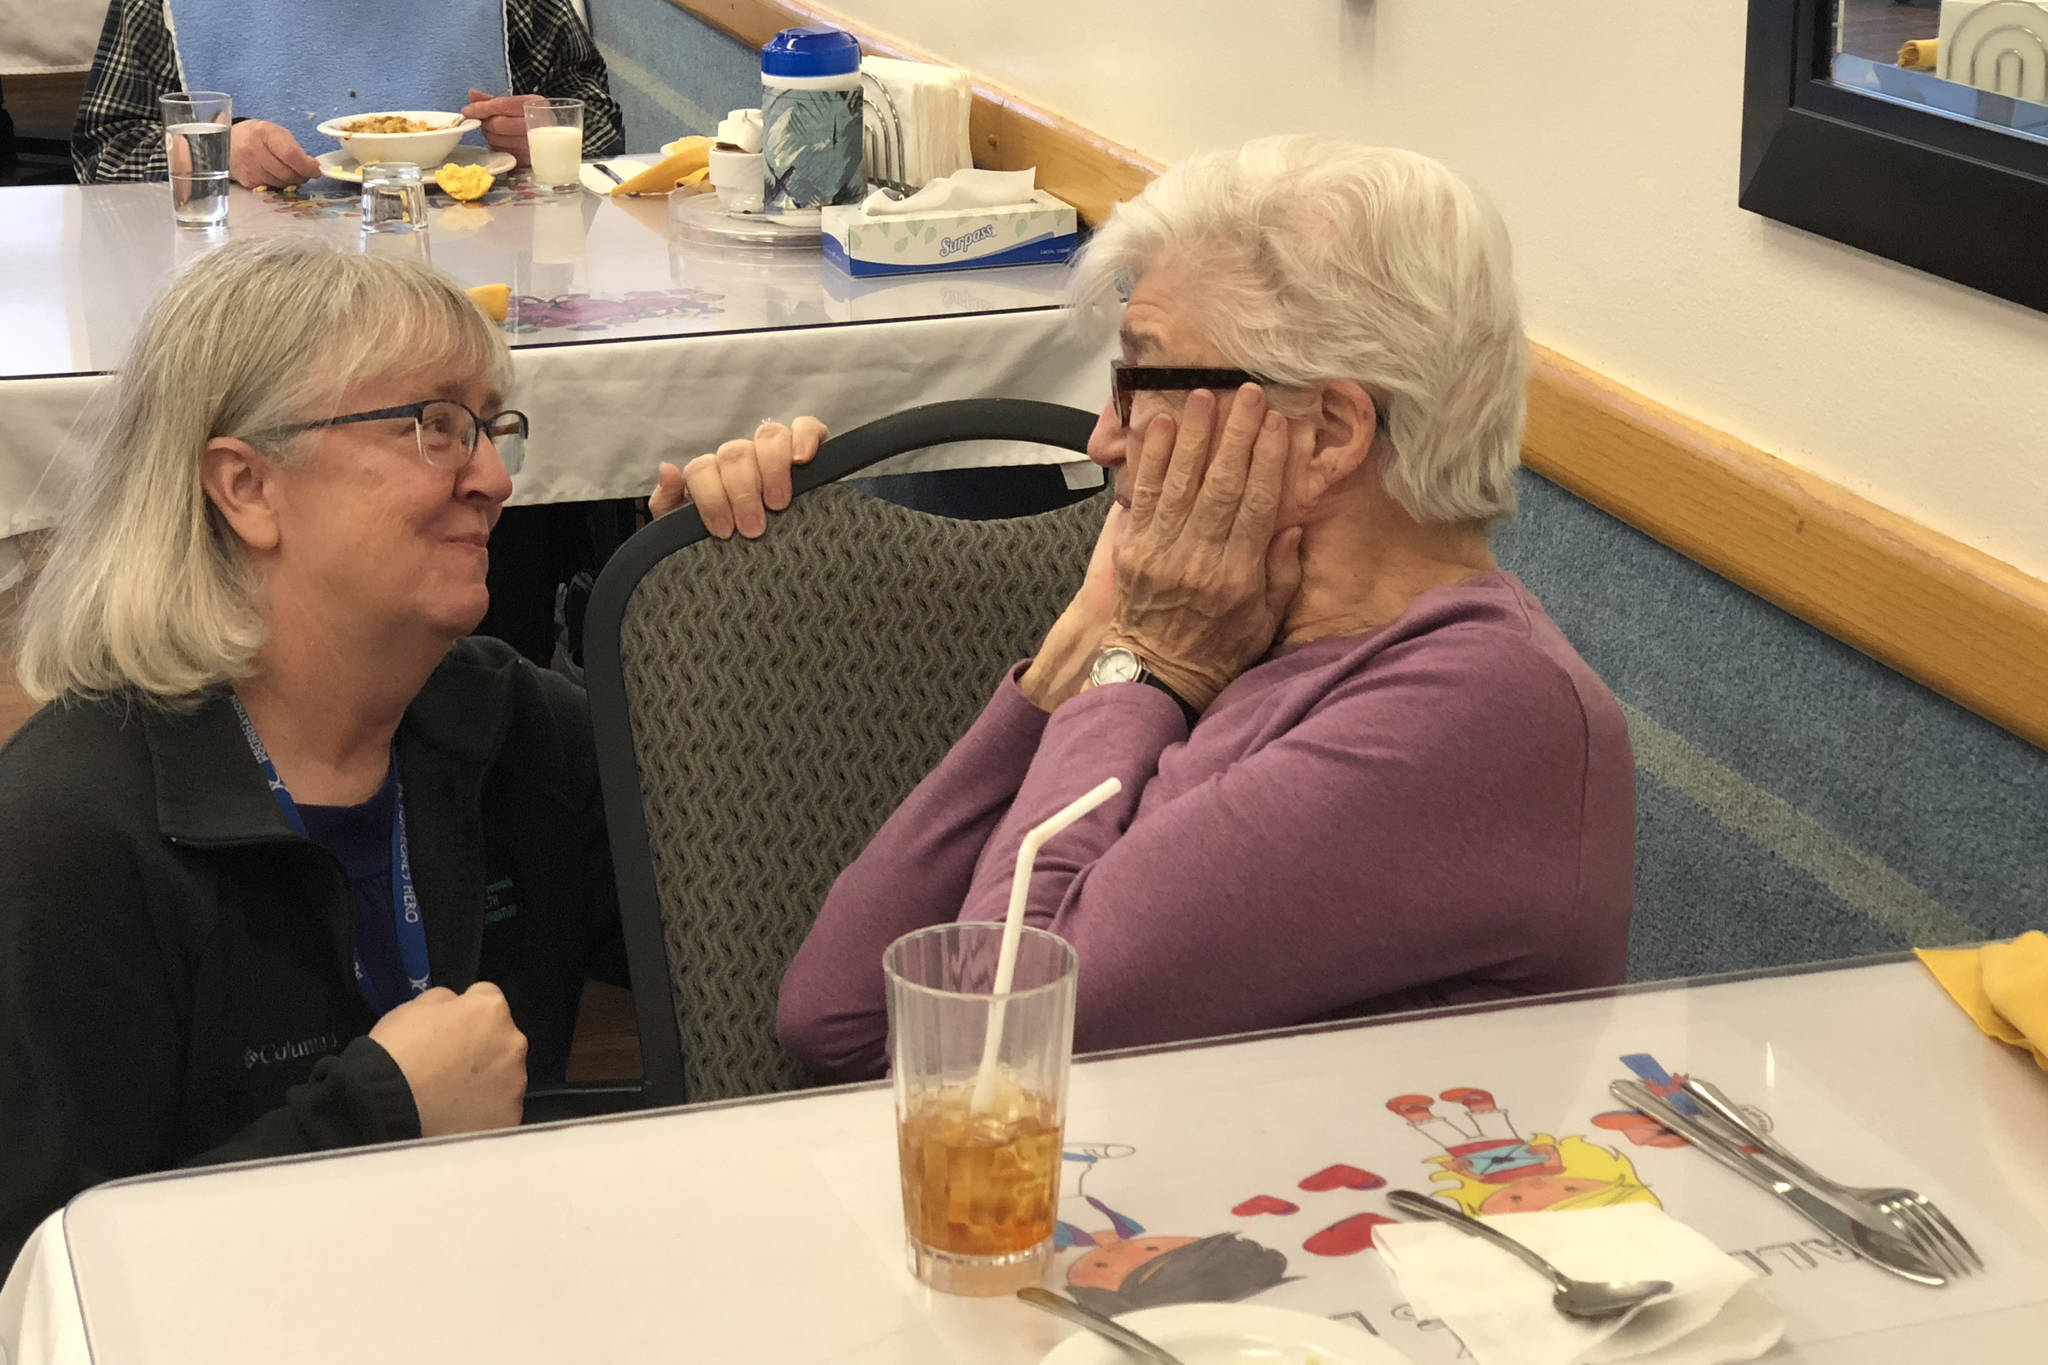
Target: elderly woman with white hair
pixel 1362 770
pixel 290 864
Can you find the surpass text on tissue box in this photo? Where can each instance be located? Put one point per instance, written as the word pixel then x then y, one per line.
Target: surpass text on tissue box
pixel 949 239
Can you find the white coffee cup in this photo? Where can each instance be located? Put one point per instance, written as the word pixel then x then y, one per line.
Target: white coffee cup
pixel 736 175
pixel 741 128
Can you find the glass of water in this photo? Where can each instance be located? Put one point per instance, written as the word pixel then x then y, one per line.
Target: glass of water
pixel 394 197
pixel 196 133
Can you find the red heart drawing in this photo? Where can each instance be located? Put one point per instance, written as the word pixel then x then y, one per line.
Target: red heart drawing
pixel 1346 1238
pixel 1342 1177
pixel 1264 1203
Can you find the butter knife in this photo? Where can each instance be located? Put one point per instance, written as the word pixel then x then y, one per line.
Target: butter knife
pixel 1883 1250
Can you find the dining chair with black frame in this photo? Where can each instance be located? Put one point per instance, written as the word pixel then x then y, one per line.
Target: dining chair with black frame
pixel 762 706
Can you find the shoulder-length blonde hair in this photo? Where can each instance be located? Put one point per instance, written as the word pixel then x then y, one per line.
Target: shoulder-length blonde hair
pixel 147 589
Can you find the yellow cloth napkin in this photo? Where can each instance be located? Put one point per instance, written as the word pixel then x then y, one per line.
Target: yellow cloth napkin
pixel 2003 987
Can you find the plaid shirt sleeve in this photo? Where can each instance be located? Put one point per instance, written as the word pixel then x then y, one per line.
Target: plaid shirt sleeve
pixel 552 54
pixel 120 133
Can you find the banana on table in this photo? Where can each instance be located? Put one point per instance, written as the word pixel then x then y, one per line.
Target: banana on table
pixel 687 163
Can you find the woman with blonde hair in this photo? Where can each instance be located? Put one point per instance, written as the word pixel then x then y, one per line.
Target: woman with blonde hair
pixel 290 863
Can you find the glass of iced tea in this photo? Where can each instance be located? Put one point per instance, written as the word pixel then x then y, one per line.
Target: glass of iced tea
pixel 981 1172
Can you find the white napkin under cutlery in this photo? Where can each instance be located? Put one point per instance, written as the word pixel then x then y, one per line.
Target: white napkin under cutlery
pixel 1502 1310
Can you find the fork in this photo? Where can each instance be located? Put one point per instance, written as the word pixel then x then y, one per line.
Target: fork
pixel 1916 1217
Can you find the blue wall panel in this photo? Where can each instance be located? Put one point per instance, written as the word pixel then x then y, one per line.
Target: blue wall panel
pixel 672 74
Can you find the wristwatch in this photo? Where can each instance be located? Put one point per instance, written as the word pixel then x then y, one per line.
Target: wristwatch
pixel 1117 664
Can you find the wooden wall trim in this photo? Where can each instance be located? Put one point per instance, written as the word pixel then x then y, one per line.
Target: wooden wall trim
pixel 1972 627
pixel 1089 172
pixel 1965 624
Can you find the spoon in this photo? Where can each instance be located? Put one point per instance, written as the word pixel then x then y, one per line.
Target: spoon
pixel 1142 1347
pixel 1574 1298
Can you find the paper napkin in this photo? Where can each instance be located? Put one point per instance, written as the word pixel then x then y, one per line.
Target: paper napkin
pixel 598 183
pixel 916 120
pixel 1502 1310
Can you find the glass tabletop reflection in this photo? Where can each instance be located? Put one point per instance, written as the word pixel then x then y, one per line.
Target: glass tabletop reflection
pixel 85 262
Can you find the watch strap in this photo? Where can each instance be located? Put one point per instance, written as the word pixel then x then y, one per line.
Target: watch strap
pixel 1187 709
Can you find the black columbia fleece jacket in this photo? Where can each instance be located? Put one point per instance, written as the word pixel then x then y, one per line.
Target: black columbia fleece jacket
pixel 176 966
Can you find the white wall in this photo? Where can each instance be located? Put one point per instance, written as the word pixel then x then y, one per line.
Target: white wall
pixel 1608 131
pixel 49 35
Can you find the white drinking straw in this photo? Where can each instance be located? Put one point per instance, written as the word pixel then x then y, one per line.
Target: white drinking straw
pixel 1013 926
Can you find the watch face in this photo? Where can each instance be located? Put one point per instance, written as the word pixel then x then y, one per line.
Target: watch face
pixel 1115 666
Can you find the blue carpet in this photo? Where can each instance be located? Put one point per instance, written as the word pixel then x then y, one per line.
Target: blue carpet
pixel 1707 900
pixel 1923 792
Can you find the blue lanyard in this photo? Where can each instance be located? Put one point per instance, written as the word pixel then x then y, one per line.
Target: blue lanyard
pixel 405 901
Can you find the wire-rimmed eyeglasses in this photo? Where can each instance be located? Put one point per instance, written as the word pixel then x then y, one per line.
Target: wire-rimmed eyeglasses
pixel 445 429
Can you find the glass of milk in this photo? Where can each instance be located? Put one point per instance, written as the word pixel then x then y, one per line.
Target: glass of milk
pixel 554 142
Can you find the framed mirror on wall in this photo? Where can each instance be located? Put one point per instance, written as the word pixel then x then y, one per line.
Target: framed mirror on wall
pixel 1913 129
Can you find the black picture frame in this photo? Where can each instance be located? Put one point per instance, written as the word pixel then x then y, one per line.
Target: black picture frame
pixel 1957 199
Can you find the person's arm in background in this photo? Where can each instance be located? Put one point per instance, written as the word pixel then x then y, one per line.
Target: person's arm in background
pixel 119 135
pixel 551 54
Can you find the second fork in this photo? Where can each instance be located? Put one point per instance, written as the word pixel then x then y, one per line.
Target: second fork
pixel 1916 1217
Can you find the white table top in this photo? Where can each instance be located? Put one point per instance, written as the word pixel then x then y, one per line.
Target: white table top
pixel 581 268
pixel 771 1231
pixel 631 345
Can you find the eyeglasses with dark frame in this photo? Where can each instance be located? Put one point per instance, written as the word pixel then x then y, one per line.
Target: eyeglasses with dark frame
pixel 1126 380
pixel 444 430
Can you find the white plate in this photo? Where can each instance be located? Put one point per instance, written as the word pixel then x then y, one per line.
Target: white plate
pixel 342 166
pixel 1233 1334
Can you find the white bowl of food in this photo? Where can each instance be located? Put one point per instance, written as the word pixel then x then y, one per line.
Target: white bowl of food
pixel 421 136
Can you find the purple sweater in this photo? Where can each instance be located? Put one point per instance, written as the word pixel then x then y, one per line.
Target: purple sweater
pixel 1439 811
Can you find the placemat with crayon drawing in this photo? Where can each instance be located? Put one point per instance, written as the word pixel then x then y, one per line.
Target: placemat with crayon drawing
pixel 1270 1192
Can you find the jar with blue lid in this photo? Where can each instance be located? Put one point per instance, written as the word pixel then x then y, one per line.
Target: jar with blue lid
pixel 811 119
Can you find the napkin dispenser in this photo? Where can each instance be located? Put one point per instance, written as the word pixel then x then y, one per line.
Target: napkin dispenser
pixel 1030 233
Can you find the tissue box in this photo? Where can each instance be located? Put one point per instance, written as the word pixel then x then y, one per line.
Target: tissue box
pixel 950 239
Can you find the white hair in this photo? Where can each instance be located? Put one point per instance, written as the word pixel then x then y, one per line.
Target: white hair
pixel 1324 259
pixel 148 589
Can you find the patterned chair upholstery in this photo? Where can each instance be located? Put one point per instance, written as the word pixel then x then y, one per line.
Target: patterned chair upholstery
pixel 762 706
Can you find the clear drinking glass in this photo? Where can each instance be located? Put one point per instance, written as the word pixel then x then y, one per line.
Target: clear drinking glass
pixel 394 197
pixel 196 135
pixel 980 1184
pixel 554 142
